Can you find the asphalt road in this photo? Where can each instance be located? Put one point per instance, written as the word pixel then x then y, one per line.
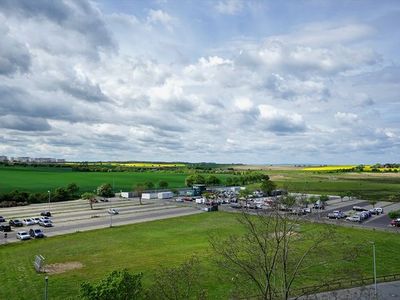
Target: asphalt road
pixel 73 216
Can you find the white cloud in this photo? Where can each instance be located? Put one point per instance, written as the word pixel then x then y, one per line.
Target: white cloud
pixel 347 118
pixel 161 17
pixel 280 121
pixel 230 7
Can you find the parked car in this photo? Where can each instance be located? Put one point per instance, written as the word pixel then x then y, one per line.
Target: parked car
pixel 337 214
pixel 113 211
pixel 5 227
pixel 45 223
pixel 354 218
pixel 36 220
pixel 16 223
pixel 379 209
pixel 236 205
pixel 28 221
pixel 23 235
pixel 359 208
pixel 2 219
pixel 395 222
pixel 365 215
pixel 46 213
pixel 319 205
pixel 44 218
pixel 36 233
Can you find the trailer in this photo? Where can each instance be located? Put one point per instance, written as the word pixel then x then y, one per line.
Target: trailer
pixel 165 195
pixel 149 196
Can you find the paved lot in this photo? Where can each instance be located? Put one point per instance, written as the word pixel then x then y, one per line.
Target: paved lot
pixel 73 216
pixel 346 205
pixel 387 290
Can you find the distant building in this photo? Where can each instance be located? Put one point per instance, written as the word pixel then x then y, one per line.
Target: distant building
pixel 3 158
pixel 23 159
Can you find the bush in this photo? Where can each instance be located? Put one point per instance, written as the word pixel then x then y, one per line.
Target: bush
pixel 394 214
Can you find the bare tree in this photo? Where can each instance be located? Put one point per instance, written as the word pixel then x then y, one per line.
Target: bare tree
pixel 139 189
pixel 275 252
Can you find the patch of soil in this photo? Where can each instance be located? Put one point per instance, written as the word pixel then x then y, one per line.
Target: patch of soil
pixel 62 267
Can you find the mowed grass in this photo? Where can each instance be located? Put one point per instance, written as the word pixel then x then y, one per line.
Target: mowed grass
pixel 144 247
pixel 43 179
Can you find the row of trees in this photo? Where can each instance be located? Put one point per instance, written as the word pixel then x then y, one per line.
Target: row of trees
pixel 244 179
pixel 14 198
pixel 200 179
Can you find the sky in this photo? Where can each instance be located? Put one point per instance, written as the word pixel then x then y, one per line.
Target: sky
pixel 227 81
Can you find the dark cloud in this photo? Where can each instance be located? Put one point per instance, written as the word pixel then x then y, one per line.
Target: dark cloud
pixel 14 56
pixel 79 16
pixel 84 90
pixel 24 123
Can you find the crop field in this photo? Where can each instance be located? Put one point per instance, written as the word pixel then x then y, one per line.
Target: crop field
pixel 42 179
pixel 144 247
pixel 367 168
pixel 380 186
pixel 134 164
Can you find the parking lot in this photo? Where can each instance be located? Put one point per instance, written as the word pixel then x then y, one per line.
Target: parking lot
pixel 381 221
pixel 73 216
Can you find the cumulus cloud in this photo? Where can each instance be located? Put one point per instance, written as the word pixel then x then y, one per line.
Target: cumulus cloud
pixel 228 97
pixel 280 121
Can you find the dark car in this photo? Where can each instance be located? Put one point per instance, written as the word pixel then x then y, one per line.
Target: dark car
pixel 2 219
pixel 395 222
pixel 45 213
pixel 5 227
pixel 16 223
pixel 36 233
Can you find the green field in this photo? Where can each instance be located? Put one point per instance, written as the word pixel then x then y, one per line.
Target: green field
pixel 42 179
pixel 365 185
pixel 143 247
pixel 380 186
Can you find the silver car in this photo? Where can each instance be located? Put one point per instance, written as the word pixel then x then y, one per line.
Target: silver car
pixel 23 235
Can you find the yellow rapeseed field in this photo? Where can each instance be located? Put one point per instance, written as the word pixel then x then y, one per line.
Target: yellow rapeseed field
pixel 328 168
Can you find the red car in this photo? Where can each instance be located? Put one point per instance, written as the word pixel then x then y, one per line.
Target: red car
pixel 395 222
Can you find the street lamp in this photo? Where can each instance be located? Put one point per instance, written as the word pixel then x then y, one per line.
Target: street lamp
pixel 374 258
pixel 46 283
pixel 49 199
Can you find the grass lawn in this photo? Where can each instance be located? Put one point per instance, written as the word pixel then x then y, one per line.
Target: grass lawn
pixel 143 247
pixel 42 179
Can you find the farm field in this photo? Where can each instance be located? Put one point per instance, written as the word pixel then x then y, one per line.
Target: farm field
pixel 144 247
pixel 379 186
pixel 42 179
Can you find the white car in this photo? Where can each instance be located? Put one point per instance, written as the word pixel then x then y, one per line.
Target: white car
pixel 36 220
pixel 23 235
pixel 41 219
pixel 28 221
pixel 46 223
pixel 113 211
pixel 354 218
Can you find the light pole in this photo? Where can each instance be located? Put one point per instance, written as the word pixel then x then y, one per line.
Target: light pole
pixel 374 258
pixel 46 283
pixel 49 199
